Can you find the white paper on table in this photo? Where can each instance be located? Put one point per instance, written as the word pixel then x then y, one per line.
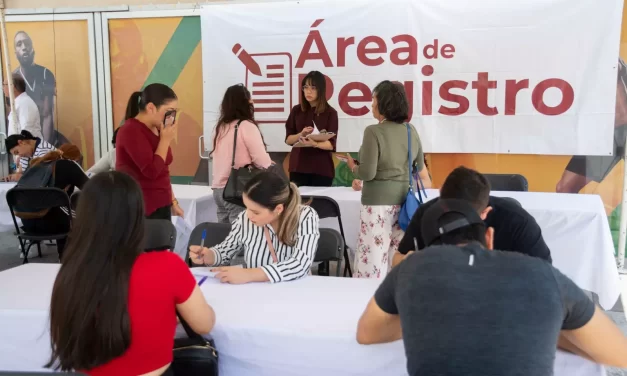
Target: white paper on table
pixel 203 272
pixel 183 233
pixel 206 271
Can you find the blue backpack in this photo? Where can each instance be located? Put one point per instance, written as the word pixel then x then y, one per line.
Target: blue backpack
pixel 412 203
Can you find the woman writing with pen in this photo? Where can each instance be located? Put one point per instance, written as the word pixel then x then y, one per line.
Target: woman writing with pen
pixel 278 235
pixel 311 162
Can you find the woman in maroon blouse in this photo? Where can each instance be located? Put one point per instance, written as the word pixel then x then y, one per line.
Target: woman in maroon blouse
pixel 312 165
pixel 143 148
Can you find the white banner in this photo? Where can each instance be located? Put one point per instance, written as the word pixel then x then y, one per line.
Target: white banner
pixel 482 76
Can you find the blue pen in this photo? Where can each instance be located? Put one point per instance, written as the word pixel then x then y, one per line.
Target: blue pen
pixel 202 243
pixel 202 280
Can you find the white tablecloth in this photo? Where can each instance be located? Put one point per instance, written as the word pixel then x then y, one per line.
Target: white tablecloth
pixel 197 202
pixel 574 226
pixel 305 327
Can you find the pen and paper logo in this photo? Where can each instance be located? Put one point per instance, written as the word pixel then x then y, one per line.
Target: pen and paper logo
pixel 269 79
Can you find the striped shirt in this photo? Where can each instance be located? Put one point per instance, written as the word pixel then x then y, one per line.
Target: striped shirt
pixel 294 262
pixel 41 148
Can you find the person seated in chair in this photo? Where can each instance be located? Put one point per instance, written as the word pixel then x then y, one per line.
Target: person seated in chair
pixel 516 230
pixel 463 310
pixel 279 236
pixel 113 309
pixel 68 175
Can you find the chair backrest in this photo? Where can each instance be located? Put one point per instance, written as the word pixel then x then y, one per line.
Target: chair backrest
pixel 160 234
pixel 507 182
pixel 36 199
pixel 330 246
pixel 216 233
pixel 326 207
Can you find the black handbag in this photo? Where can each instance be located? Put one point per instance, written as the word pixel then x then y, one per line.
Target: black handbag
pixel 194 355
pixel 238 178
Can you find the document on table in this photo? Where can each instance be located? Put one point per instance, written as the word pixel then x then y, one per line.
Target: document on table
pixel 206 271
pixel 203 272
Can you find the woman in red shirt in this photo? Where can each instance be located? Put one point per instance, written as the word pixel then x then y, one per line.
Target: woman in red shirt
pixel 312 165
pixel 113 307
pixel 143 147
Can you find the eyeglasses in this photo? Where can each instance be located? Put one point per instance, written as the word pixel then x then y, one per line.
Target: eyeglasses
pixel 309 87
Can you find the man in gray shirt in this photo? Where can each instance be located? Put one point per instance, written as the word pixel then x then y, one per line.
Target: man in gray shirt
pixel 464 310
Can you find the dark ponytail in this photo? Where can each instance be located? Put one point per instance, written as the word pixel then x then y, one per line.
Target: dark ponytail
pixel 133 106
pixel 12 141
pixel 157 94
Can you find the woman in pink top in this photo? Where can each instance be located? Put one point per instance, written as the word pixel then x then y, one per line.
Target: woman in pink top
pixel 237 106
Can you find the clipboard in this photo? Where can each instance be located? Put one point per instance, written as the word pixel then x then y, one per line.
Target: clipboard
pixel 299 145
pixel 321 137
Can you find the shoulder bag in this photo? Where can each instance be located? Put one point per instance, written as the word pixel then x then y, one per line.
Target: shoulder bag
pixel 412 203
pixel 194 355
pixel 238 178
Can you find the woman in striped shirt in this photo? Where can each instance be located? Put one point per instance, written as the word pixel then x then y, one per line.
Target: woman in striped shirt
pixel 26 147
pixel 279 236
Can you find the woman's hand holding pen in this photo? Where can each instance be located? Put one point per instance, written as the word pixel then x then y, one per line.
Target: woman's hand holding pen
pixel 201 255
pixel 307 141
pixel 306 131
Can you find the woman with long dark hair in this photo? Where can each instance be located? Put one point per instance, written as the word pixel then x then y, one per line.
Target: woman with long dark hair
pixel 236 112
pixel 113 307
pixel 278 235
pixel 143 147
pixel 68 175
pixel 312 163
pixel 25 147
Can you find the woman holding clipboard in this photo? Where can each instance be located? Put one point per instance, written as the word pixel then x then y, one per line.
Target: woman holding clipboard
pixel 311 161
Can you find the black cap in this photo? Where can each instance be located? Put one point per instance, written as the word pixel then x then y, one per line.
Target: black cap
pixel 444 216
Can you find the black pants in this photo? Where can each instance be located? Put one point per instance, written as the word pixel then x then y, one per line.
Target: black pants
pixel 162 213
pixel 55 222
pixel 310 180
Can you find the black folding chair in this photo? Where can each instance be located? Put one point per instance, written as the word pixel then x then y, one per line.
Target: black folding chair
pixel 159 235
pixel 326 207
pixel 216 233
pixel 507 182
pixel 330 247
pixel 36 199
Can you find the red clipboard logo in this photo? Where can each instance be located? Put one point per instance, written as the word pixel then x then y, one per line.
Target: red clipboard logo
pixel 269 80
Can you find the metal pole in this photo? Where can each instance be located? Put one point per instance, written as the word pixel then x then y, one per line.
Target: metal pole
pixel 7 63
pixel 623 219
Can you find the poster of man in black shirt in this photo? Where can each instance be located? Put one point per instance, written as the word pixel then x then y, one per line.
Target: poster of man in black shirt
pixel 583 169
pixel 41 86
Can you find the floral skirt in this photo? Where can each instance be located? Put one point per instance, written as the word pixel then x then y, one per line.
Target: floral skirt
pixel 379 236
